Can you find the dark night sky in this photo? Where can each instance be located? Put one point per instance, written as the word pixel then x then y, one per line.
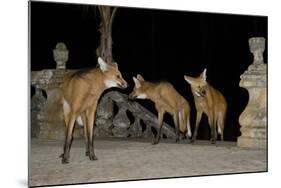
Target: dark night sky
pixel 159 44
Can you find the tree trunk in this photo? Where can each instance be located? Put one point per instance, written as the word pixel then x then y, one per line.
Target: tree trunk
pixel 104 50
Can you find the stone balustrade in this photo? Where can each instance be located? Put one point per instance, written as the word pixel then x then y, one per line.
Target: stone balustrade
pixel 253 119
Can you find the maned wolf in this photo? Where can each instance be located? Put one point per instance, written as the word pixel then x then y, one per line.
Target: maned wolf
pixel 81 91
pixel 210 101
pixel 166 99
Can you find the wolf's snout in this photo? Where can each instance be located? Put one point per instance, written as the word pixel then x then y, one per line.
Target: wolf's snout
pixel 125 85
pixel 122 84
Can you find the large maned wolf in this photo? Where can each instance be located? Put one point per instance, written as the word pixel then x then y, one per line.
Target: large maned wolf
pixel 81 91
pixel 210 101
pixel 166 99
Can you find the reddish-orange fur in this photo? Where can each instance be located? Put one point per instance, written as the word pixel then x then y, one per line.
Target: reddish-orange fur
pixel 81 91
pixel 210 101
pixel 166 99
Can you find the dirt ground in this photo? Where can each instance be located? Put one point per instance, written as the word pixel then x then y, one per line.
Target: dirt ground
pixel 129 159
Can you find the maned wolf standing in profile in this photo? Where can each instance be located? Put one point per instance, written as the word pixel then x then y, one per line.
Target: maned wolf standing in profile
pixel 166 99
pixel 210 101
pixel 81 91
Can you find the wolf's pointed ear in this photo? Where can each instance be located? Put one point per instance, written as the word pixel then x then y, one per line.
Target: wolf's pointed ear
pixel 188 79
pixel 137 82
pixel 204 74
pixel 140 78
pixel 103 64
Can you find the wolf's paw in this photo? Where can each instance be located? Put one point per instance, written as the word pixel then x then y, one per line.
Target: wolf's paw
pixel 183 137
pixel 154 142
pixel 213 141
pixel 93 157
pixel 191 141
pixel 64 160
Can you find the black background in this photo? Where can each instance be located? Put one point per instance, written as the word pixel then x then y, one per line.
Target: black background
pixel 159 44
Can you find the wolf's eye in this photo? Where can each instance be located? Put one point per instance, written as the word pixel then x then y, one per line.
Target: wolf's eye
pixel 118 77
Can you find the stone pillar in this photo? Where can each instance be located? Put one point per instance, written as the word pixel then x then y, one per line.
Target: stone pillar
pixel 60 55
pixel 121 122
pixel 38 102
pixel 253 119
pixel 135 129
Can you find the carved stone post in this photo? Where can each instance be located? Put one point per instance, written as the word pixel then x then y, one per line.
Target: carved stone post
pixel 253 119
pixel 60 55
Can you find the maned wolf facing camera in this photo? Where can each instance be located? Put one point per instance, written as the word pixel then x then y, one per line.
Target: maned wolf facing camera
pixel 210 101
pixel 81 91
pixel 166 99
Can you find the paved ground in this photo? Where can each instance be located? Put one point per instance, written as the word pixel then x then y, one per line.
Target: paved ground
pixel 127 159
